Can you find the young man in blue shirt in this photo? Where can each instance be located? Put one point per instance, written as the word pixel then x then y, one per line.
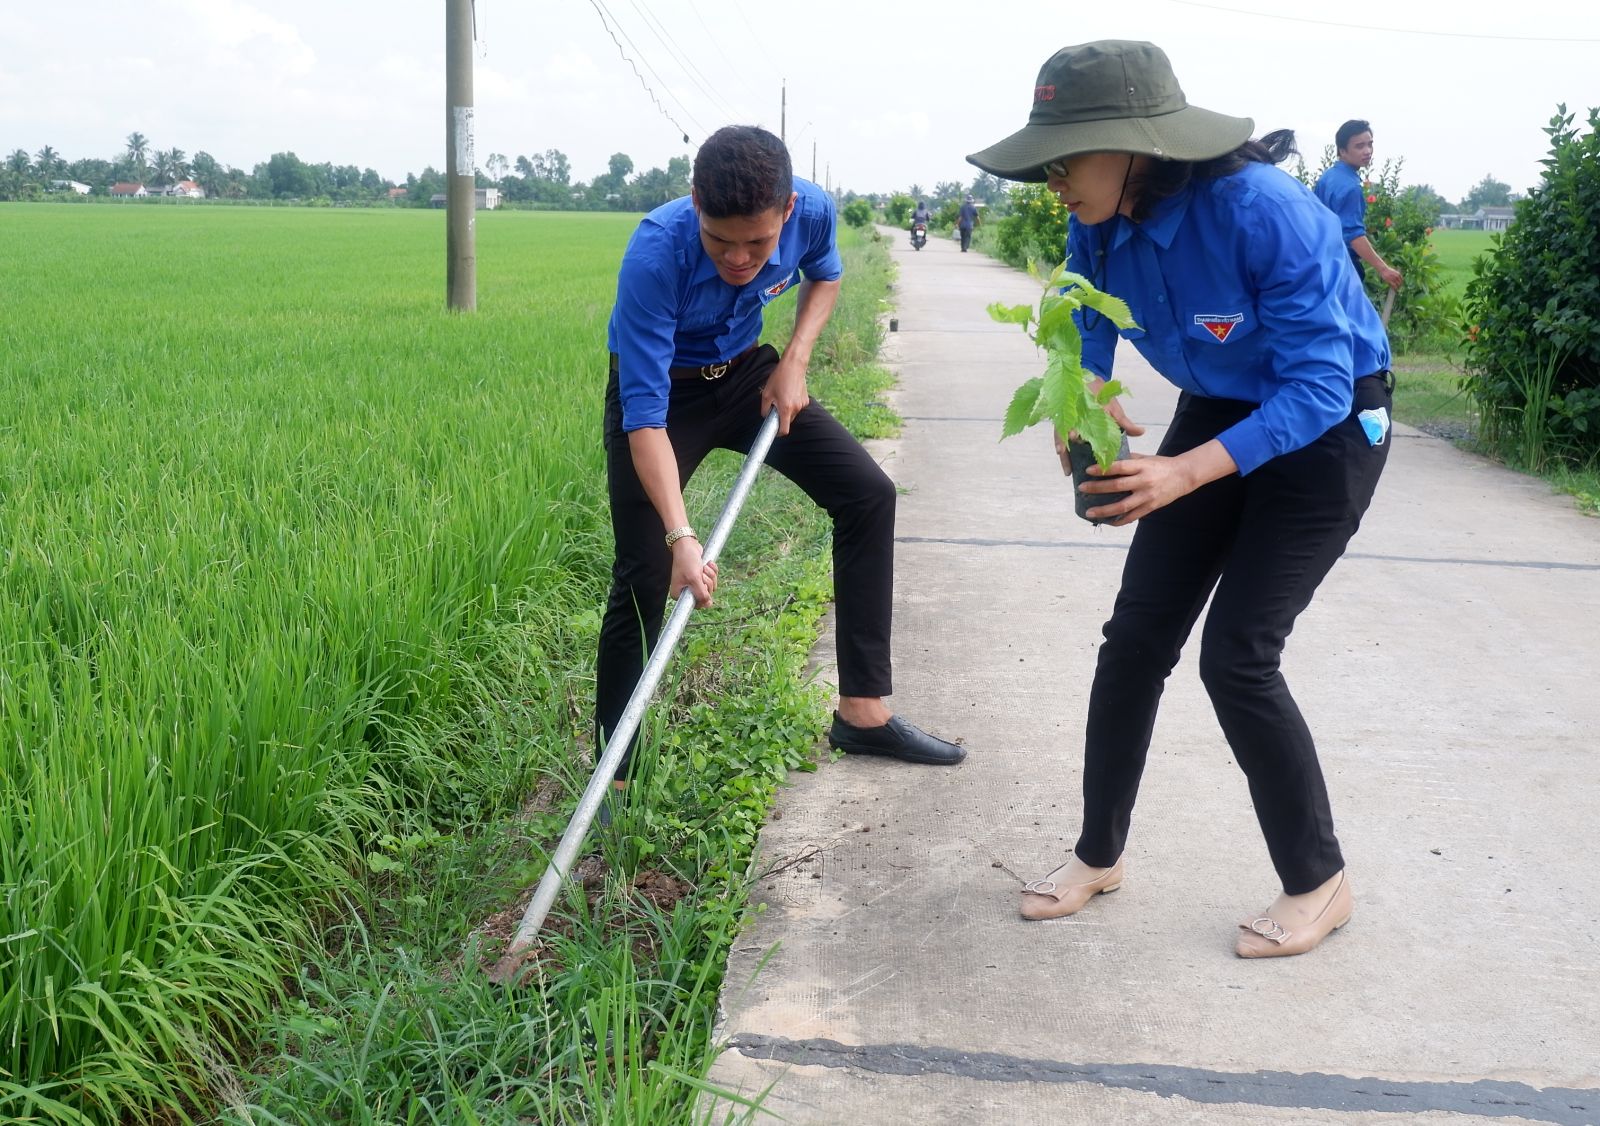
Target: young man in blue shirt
pixel 1341 190
pixel 687 377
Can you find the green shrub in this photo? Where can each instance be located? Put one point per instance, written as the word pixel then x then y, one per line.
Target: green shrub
pixel 897 211
pixel 857 213
pixel 1035 227
pixel 1425 315
pixel 1533 307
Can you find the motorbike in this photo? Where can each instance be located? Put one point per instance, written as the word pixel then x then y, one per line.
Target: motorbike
pixel 919 235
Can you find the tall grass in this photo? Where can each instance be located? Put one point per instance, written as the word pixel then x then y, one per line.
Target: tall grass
pixel 261 501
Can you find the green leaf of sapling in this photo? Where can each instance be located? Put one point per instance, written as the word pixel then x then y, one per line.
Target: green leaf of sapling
pixel 1103 434
pixel 1024 409
pixel 1011 314
pixel 1114 309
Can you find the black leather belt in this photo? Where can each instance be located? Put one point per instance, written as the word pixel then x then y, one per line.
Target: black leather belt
pixel 1384 377
pixel 713 371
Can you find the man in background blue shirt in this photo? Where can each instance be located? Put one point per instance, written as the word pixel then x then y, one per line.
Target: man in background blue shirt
pixel 965 221
pixel 1340 188
pixel 687 377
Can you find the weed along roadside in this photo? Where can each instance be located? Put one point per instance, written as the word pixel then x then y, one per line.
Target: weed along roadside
pixel 610 1018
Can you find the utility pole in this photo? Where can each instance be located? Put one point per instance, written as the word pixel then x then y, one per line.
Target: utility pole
pixel 783 114
pixel 461 188
pixel 813 161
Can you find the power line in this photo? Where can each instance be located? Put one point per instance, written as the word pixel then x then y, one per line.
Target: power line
pixel 1391 30
pixel 732 69
pixel 604 13
pixel 664 37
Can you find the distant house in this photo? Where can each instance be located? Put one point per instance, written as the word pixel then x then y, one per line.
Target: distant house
pixel 1483 219
pixel 69 186
pixel 1497 218
pixel 398 193
pixel 488 199
pixel 129 191
pixel 186 189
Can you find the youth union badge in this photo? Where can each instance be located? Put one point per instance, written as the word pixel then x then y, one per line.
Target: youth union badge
pixel 1218 324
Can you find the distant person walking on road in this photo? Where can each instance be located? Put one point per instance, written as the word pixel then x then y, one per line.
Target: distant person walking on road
pixel 688 376
pixel 965 221
pixel 1234 277
pixel 1340 187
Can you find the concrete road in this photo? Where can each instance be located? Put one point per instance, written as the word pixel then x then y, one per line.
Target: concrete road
pixel 1450 667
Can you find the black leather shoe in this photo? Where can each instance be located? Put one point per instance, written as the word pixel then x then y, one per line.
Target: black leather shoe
pixel 896 739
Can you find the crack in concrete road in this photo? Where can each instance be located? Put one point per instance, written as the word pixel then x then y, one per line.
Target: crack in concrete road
pixel 1309 1090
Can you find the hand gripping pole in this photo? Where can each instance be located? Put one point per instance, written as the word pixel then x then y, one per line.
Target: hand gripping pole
pixel 572 840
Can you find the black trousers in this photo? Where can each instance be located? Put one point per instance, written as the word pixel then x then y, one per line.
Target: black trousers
pixel 1264 542
pixel 966 237
pixel 819 455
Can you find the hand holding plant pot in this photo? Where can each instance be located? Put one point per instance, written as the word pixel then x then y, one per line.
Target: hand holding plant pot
pixel 1073 399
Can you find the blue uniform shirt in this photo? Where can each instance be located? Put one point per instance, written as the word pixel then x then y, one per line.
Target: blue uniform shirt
pixel 1340 189
pixel 674 310
pixel 1241 291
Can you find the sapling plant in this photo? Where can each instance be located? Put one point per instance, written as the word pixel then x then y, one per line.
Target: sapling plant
pixel 1063 393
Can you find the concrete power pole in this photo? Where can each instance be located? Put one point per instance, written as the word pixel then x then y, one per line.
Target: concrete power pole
pixel 813 162
pixel 461 194
pixel 783 114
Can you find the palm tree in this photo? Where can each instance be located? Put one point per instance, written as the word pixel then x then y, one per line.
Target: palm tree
pixel 47 161
pixel 138 149
pixel 180 164
pixel 162 167
pixel 19 162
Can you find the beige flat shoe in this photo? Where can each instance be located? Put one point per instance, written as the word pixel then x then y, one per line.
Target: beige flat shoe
pixel 1046 899
pixel 1265 937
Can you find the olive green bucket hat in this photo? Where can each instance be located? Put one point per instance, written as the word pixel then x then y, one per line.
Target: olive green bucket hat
pixel 1113 95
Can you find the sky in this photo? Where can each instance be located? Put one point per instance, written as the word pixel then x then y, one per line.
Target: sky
pixel 880 97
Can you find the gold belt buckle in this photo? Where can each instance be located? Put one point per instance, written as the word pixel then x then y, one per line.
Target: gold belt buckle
pixel 714 371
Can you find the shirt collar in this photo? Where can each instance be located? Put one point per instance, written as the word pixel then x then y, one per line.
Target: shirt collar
pixel 1162 225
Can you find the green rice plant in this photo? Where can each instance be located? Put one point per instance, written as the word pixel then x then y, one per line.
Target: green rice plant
pixel 262 503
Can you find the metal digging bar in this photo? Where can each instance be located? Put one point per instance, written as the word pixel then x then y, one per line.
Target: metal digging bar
pixel 572 840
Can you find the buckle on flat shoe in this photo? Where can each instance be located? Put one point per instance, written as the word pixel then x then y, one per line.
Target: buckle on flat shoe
pixel 1272 931
pixel 1040 887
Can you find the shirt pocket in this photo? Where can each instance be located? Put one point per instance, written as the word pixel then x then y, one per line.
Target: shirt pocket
pixel 1222 324
pixel 776 288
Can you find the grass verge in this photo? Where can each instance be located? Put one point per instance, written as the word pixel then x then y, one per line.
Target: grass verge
pixel 395 1020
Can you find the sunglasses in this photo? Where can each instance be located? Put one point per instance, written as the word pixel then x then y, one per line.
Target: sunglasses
pixel 1057 168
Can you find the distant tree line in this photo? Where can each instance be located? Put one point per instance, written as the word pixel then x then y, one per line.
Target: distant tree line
pixel 543 180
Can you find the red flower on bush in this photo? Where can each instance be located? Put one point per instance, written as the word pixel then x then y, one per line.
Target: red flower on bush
pixel 1388 222
pixel 1372 199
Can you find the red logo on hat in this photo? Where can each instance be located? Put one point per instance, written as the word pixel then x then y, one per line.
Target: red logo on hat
pixel 1220 325
pixel 1044 94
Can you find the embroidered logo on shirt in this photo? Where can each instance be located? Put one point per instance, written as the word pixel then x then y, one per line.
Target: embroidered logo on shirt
pixel 773 291
pixel 1218 324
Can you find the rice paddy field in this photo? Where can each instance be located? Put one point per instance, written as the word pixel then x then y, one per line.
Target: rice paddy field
pixel 266 509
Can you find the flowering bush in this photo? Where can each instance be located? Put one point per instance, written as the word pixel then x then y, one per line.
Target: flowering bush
pixel 1035 227
pixel 1424 315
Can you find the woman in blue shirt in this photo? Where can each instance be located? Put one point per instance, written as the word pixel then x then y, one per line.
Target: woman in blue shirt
pixel 1244 298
